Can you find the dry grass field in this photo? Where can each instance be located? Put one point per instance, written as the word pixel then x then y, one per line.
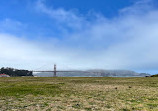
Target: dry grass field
pixel 78 94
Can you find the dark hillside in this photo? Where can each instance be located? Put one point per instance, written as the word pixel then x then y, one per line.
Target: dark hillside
pixel 156 75
pixel 15 72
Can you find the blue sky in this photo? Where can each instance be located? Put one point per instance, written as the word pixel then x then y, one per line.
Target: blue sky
pixel 79 34
pixel 25 12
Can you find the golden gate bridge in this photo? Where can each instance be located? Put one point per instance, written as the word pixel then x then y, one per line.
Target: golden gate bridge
pixel 55 71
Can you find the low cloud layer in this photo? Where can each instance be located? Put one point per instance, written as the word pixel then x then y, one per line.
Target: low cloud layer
pixel 128 41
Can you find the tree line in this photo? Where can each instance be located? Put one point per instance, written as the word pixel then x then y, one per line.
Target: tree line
pixel 15 72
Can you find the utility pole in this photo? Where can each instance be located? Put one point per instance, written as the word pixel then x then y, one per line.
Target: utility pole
pixel 55 70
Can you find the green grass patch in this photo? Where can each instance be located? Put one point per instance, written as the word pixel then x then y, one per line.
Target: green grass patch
pixel 77 93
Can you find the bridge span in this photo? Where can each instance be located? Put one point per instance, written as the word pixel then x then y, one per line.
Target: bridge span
pixel 55 71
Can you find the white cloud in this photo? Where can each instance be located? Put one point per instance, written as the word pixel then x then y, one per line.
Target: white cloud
pixel 68 18
pixel 21 53
pixel 128 41
pixel 7 25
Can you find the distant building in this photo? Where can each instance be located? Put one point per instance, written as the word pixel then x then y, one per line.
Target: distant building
pixel 4 75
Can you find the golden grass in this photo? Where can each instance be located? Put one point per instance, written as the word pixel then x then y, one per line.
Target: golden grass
pixel 78 94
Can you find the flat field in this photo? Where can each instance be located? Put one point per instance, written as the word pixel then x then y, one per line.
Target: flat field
pixel 78 94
